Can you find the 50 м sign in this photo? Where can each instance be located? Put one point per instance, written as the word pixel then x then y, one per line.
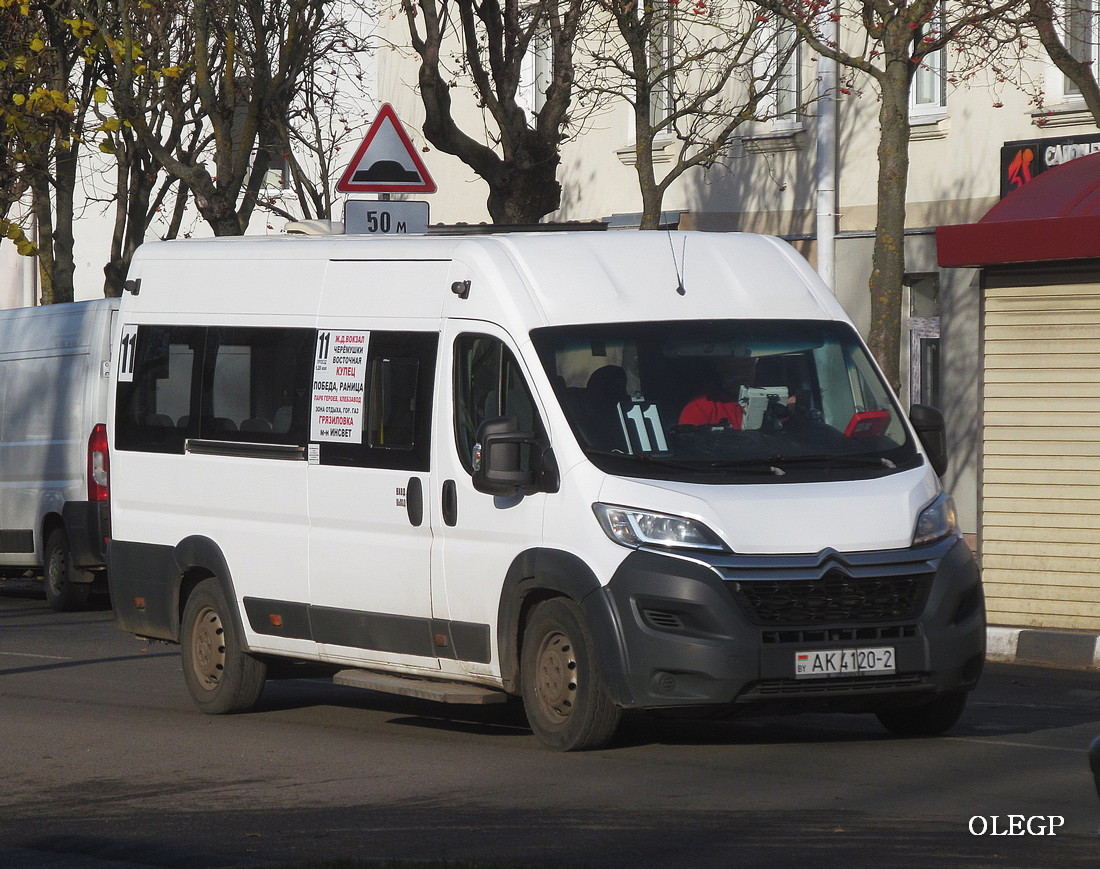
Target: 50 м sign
pixel 384 217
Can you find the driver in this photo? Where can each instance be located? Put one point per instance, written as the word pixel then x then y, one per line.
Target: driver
pixel 718 404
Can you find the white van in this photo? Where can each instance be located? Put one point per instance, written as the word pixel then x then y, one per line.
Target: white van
pixel 54 380
pixel 472 467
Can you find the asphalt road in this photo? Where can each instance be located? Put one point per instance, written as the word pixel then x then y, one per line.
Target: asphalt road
pixel 104 762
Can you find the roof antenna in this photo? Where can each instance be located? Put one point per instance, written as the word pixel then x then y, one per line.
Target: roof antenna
pixel 679 266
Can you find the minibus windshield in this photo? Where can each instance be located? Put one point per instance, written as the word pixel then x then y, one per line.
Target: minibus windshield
pixel 726 400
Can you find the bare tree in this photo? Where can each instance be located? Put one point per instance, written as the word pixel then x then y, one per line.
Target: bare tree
pixel 519 154
pixel 232 68
pixel 327 114
pixel 141 191
pixel 887 41
pixel 693 73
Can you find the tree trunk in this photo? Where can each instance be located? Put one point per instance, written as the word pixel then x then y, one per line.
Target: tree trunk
pixel 215 206
pixel 888 259
pixel 652 193
pixel 524 189
pixel 43 212
pixel 64 266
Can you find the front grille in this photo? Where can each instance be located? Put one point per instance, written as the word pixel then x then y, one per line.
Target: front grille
pixel 871 633
pixel 834 598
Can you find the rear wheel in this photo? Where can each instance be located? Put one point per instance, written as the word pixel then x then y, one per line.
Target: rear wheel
pixel 62 593
pixel 566 700
pixel 220 675
pixel 930 718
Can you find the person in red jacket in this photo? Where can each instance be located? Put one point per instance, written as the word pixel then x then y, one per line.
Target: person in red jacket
pixel 718 404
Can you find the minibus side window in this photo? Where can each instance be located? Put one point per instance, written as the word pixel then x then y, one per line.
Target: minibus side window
pixel 156 411
pixel 391 409
pixel 257 385
pixel 488 384
pixel 396 431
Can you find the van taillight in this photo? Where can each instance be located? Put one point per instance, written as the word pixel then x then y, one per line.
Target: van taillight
pixel 99 466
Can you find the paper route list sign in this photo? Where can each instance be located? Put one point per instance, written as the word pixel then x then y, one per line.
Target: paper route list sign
pixel 339 380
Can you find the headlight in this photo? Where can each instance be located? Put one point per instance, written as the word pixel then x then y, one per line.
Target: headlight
pixel 936 521
pixel 635 528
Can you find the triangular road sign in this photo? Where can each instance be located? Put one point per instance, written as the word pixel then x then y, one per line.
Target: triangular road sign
pixel 386 161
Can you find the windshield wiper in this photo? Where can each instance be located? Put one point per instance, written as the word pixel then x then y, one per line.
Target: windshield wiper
pixel 776 462
pixel 767 465
pixel 701 467
pixel 834 459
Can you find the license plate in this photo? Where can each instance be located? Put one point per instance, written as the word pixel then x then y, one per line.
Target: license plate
pixel 825 663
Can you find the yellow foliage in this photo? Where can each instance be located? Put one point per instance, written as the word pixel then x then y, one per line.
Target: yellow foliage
pixel 80 27
pixel 36 45
pixel 14 232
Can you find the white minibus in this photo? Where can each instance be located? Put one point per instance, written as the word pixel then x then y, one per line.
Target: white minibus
pixel 600 471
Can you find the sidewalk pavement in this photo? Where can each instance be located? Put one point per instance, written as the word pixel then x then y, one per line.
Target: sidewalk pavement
pixel 1043 647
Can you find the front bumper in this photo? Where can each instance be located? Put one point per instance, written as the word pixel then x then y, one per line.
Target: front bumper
pixel 725 630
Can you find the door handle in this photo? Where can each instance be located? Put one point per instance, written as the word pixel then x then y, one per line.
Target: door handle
pixel 450 503
pixel 414 501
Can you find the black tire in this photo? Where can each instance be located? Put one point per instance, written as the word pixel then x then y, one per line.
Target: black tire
pixel 931 718
pixel 566 700
pixel 62 593
pixel 222 677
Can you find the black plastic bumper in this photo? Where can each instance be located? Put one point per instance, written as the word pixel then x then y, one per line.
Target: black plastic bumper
pixel 700 632
pixel 88 525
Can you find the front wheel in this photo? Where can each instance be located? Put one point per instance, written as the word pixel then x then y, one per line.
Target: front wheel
pixel 221 676
pixel 567 703
pixel 930 718
pixel 62 593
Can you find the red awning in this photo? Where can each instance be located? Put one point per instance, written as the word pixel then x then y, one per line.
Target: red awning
pixel 1054 217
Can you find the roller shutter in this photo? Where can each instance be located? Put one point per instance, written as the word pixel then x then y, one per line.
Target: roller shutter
pixel 1041 456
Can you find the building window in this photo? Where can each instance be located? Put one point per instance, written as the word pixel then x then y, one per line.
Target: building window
pixel 536 68
pixel 779 71
pixel 662 59
pixel 928 95
pixel 1080 37
pixel 277 176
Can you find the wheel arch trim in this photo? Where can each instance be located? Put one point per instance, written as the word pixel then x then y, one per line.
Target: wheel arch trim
pixel 539 574
pixel 198 557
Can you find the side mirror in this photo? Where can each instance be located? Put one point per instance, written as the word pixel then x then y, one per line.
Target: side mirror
pixel 503 457
pixel 930 427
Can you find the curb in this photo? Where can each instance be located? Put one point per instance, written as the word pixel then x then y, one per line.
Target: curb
pixel 1049 648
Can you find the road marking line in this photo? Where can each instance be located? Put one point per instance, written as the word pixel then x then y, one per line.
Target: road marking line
pixel 27 655
pixel 1005 742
